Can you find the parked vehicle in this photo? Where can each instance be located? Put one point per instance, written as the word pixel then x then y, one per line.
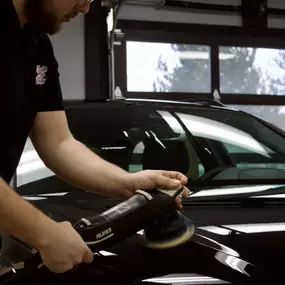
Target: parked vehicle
pixel 235 163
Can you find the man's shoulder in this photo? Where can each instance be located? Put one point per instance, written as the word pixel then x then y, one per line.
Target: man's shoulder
pixel 43 39
pixel 44 46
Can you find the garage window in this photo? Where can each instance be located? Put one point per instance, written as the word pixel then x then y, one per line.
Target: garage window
pixel 165 67
pixel 246 70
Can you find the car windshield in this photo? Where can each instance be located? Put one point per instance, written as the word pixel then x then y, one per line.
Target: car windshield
pixel 209 145
pixel 212 146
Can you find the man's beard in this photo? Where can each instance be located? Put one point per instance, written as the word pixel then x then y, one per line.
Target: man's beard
pixel 40 17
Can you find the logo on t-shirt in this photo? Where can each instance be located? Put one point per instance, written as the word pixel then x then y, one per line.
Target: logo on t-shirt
pixel 41 74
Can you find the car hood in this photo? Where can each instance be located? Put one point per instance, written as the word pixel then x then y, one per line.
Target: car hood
pixel 235 238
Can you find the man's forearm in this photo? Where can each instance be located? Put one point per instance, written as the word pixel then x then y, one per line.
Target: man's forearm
pixel 21 219
pixel 79 166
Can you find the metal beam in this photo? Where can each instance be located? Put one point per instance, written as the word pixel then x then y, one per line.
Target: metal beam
pixel 96 53
pixel 202 6
pixel 255 15
pixel 248 6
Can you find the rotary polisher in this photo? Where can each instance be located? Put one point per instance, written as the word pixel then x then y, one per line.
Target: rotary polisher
pixel 155 212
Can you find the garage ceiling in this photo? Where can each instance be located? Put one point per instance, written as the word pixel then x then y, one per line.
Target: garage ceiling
pixel 168 11
pixel 152 10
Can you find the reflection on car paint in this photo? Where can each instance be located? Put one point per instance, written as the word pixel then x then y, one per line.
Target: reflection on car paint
pixel 54 194
pixel 210 129
pixel 32 198
pixel 106 253
pixel 185 279
pixel 7 268
pixel 233 191
pixel 233 262
pixel 203 240
pixel 31 167
pixel 269 196
pixel 246 228
pixel 216 230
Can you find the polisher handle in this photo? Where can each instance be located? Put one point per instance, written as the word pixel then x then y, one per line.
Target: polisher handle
pixel 173 193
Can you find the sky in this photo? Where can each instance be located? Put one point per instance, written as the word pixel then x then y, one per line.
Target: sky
pixel 142 59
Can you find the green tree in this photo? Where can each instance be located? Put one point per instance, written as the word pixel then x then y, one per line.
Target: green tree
pixel 276 84
pixel 189 75
pixel 237 71
pixel 238 74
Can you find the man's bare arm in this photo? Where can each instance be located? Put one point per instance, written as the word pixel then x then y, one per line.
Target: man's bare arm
pixel 74 162
pixel 21 219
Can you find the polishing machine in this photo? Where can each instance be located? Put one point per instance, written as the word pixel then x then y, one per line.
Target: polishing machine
pixel 154 212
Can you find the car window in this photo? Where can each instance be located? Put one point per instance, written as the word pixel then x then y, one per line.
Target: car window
pixel 205 144
pixel 136 138
pixel 133 137
pixel 246 158
pixel 202 143
pixel 240 145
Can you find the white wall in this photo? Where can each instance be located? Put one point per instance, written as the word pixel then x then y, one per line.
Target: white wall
pixel 279 4
pixel 69 51
pixel 276 21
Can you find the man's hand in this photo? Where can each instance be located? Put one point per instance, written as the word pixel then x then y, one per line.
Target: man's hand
pixel 64 248
pixel 157 179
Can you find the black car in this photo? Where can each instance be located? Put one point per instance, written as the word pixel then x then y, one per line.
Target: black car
pixel 235 163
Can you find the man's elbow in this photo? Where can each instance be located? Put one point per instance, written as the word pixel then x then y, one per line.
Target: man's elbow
pixel 54 155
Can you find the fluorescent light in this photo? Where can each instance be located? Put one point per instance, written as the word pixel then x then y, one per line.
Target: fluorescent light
pixel 226 56
pixel 194 55
pixel 203 55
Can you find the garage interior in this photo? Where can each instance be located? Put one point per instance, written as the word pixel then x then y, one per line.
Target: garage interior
pixel 224 53
pixel 211 30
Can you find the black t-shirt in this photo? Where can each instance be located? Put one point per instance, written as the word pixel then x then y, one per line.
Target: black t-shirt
pixel 29 84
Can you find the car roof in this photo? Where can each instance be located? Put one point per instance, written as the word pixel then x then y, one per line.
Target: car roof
pixel 207 103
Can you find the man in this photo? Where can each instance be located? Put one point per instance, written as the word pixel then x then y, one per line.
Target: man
pixel 31 105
